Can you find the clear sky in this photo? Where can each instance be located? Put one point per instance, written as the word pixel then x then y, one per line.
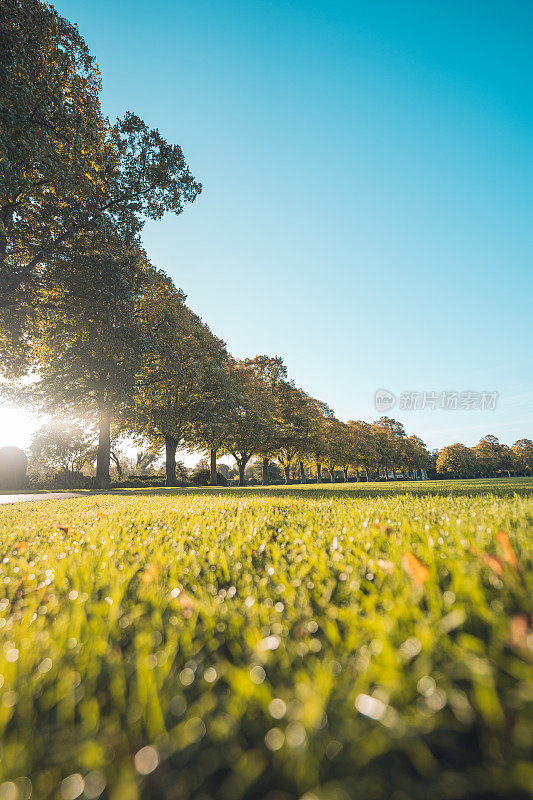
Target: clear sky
pixel 367 202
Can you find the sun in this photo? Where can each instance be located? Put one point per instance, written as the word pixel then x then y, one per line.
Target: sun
pixel 16 427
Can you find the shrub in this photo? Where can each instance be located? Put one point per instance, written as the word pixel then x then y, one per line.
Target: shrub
pixel 61 479
pixel 13 466
pixel 202 477
pixel 140 481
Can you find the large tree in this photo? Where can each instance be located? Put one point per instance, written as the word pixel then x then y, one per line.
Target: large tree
pixel 213 417
pixel 64 170
pixel 252 429
pixel 293 424
pixel 523 450
pixel 319 414
pixel 389 442
pixel 61 444
pixel 51 127
pixel 457 461
pixel 415 455
pixel 363 447
pixel 489 456
pixel 270 373
pixel 337 454
pixel 89 346
pixel 178 383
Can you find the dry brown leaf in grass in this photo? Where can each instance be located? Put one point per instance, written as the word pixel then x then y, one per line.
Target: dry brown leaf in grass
pixel 509 555
pixel 385 565
pixel 65 528
pixel 520 631
pixel 491 561
pixel 21 547
pixel 20 591
pixel 150 574
pixel 415 568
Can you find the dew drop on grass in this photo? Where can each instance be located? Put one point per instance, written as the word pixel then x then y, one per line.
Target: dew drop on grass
pixel 257 674
pixel 333 749
pixel 277 708
pixel 94 784
pixel 8 791
pixel 146 760
pixel 72 786
pixel 178 705
pixel 426 685
pixel 186 676
pixel 194 729
pixel 270 643
pixel 274 739
pixel 370 706
pixel 210 675
pixel 295 735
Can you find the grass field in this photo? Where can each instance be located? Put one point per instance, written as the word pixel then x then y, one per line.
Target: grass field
pixel 500 487
pixel 331 642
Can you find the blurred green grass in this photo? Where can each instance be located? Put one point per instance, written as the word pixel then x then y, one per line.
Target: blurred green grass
pixel 266 644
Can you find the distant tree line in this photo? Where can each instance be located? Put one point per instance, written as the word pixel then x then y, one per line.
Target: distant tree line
pixel 90 329
pixel 488 459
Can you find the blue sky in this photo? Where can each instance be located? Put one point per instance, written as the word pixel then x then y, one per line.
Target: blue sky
pixel 367 201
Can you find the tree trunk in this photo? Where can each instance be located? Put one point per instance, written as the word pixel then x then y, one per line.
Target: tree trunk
pixel 170 461
pixel 302 471
pixel 366 474
pixel 242 467
pixel 357 476
pixel 386 471
pixel 116 462
pixel 213 476
pixel 102 480
pixel 318 472
pixel 332 473
pixel 394 473
pixel 265 472
pixel 345 473
pixel 287 471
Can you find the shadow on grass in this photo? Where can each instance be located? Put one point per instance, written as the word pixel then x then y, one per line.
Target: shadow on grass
pixel 502 487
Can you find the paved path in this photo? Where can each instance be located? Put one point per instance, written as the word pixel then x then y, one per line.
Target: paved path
pixel 25 498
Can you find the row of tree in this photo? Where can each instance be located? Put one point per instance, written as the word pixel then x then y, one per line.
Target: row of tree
pixel 195 395
pixel 61 448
